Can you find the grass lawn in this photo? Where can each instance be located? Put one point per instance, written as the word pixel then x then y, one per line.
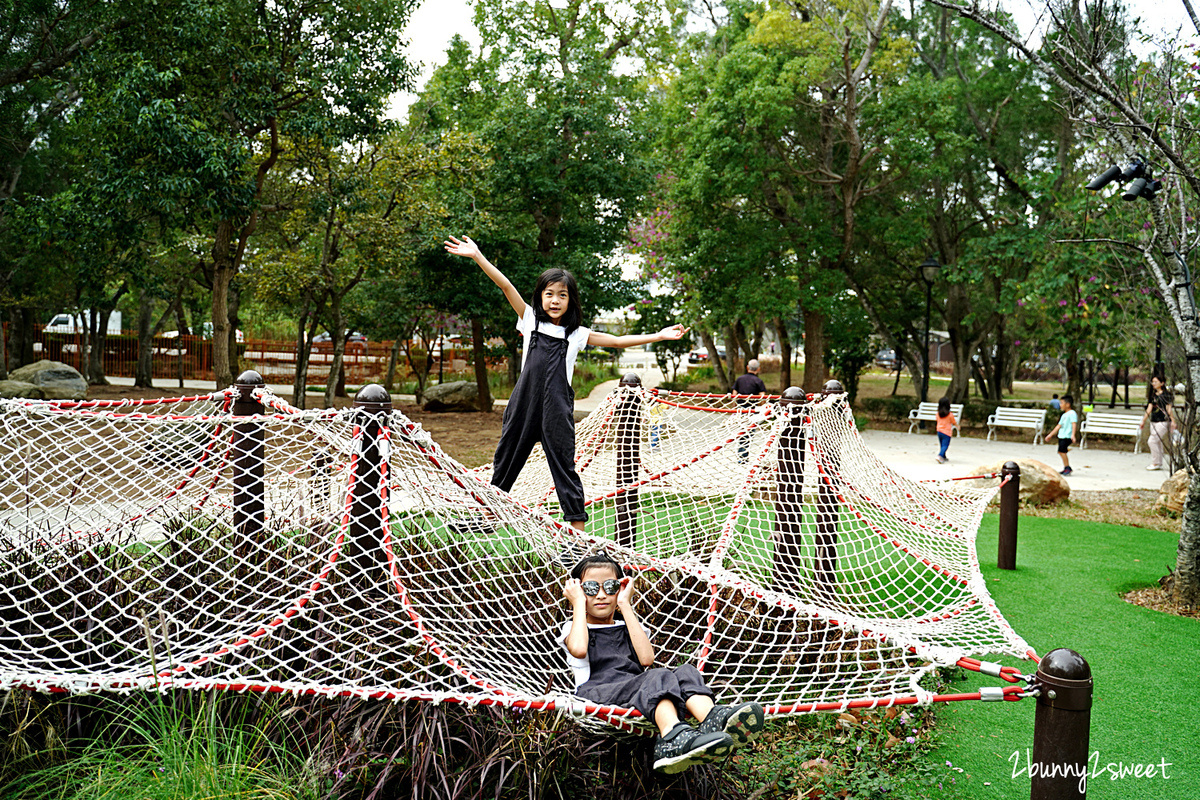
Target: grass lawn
pixel 1065 592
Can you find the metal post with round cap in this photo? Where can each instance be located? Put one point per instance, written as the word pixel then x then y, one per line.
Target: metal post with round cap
pixel 364 534
pixel 249 454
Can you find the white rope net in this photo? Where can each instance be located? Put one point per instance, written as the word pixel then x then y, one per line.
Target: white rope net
pixel 187 543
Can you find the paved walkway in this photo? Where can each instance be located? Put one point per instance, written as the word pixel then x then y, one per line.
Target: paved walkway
pixel 911 454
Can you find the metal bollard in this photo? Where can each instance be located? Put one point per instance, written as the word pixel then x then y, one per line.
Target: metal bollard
pixel 630 415
pixel 1010 493
pixel 789 494
pixel 828 509
pixel 364 539
pixel 1061 727
pixel 249 455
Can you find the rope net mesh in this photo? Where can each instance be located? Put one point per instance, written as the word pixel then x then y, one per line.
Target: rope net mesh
pixel 184 543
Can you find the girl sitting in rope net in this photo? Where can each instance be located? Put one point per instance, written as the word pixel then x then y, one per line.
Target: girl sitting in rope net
pixel 233 541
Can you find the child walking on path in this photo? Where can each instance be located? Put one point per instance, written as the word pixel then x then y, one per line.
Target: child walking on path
pixel 612 660
pixel 542 405
pixel 1160 412
pixel 945 427
pixel 1065 431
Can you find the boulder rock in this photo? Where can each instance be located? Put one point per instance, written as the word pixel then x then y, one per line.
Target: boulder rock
pixel 453 396
pixel 20 389
pixel 1173 492
pixel 1040 483
pixel 58 381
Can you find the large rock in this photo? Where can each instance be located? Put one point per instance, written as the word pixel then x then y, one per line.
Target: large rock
pixel 1040 483
pixel 1173 492
pixel 453 396
pixel 58 381
pixel 20 389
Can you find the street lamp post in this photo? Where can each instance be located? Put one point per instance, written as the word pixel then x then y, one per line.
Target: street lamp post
pixel 929 272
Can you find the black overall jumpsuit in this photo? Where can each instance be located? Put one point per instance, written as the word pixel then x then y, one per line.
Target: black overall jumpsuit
pixel 617 679
pixel 541 409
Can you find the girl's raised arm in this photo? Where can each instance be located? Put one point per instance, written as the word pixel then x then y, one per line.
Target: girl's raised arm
pixel 601 339
pixel 468 249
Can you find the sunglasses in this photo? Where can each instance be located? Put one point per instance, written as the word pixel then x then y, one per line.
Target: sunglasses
pixel 592 588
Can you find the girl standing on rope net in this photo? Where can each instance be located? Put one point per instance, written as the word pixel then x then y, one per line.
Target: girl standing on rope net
pixel 542 405
pixel 612 663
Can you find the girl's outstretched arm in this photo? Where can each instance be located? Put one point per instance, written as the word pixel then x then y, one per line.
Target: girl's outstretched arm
pixel 608 340
pixel 468 249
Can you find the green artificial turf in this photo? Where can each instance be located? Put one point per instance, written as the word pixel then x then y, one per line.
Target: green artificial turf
pixel 1066 592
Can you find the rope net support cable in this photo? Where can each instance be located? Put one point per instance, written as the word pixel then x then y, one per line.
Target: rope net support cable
pixel 232 541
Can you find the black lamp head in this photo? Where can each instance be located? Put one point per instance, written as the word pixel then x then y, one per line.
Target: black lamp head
pixel 1134 190
pixel 1105 178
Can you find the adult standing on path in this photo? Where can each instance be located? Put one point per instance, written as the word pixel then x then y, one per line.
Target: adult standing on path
pixel 1162 419
pixel 744 389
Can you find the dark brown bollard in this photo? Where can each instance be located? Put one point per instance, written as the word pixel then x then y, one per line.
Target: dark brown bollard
pixel 1010 494
pixel 630 415
pixel 1061 727
pixel 829 451
pixel 789 493
pixel 248 461
pixel 364 534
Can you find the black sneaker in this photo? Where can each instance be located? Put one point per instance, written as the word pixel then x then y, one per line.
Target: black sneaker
pixel 684 746
pixel 1065 471
pixel 742 722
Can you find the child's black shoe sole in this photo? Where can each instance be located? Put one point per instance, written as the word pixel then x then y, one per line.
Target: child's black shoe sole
pixel 705 748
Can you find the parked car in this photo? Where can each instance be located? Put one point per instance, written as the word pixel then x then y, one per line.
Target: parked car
pixel 74 323
pixel 354 338
pixel 700 355
pixel 887 360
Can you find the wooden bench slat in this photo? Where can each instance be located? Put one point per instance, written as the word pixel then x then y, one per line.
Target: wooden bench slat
pixel 1115 424
pixel 1033 418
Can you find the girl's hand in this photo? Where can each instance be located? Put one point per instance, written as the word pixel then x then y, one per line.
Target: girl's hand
pixel 625 596
pixel 673 332
pixel 462 247
pixel 572 592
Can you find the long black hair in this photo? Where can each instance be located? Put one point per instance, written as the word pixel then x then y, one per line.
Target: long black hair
pixel 1150 393
pixel 573 317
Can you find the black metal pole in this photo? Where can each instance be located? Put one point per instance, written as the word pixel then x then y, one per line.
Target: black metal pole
pixel 829 510
pixel 789 493
pixel 364 534
pixel 249 455
pixel 629 418
pixel 1010 492
pixel 925 375
pixel 1061 727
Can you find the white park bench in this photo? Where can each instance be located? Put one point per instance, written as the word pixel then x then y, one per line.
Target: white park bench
pixel 927 412
pixel 1119 424
pixel 1032 418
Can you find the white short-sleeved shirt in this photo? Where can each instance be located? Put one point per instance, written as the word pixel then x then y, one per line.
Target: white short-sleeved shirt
pixel 575 341
pixel 581 668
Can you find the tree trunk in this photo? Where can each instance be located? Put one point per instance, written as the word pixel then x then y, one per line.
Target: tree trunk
pixel 235 304
pixel 223 269
pixel 393 357
pixel 785 354
pixel 306 329
pixel 3 352
pixel 714 357
pixel 733 352
pixel 514 361
pixel 481 373
pixel 143 373
pixel 1186 578
pixel 97 341
pixel 815 372
pixel 337 336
